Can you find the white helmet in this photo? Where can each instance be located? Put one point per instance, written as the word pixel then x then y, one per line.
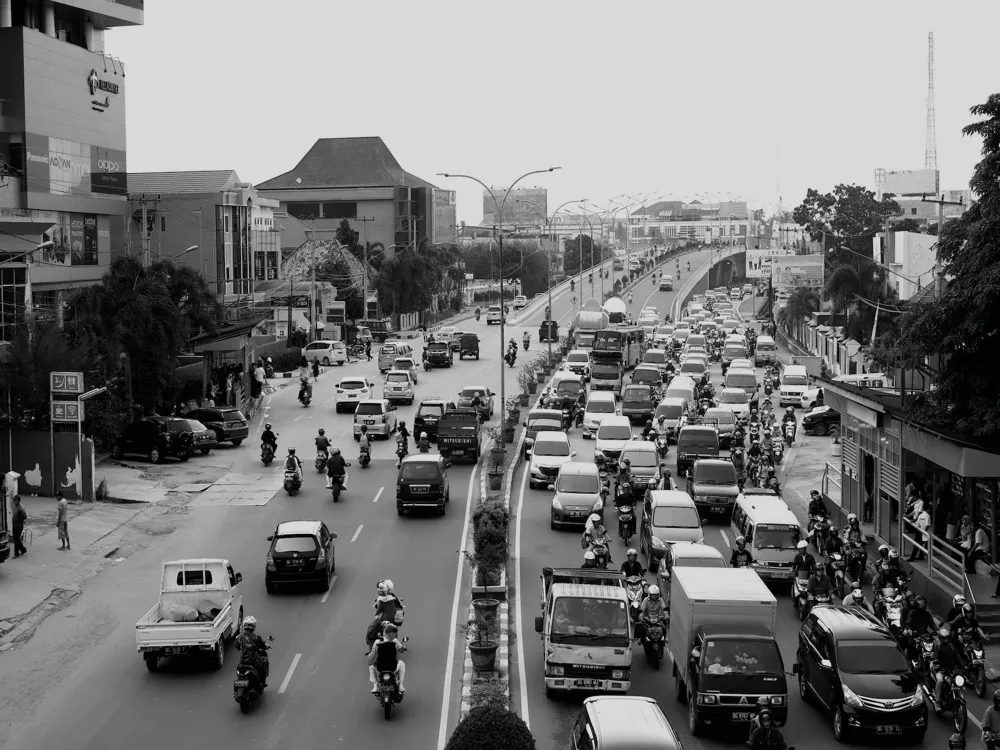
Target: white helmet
pixel 590 556
pixel 654 591
pixel 595 518
pixel 803 545
pixel 631 552
pixel 423 435
pixel 858 594
pixel 250 623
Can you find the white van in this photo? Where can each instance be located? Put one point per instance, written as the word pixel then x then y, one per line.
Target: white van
pixel 771 530
pixel 743 379
pixel 794 382
pixel 682 387
pixel 765 352
pixel 864 380
pixel 599 405
pixel 387 354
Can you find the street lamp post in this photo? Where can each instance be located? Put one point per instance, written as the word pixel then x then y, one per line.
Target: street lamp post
pixel 591 225
pixel 500 206
pixel 601 220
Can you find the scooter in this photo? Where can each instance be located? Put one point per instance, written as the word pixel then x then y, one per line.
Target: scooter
pixel 266 453
pixel 820 597
pixel 800 593
pixel 401 451
pixel 428 366
pixel 292 481
pixel 856 558
pixel 248 687
pixel 777 453
pixel 600 549
pixel 652 642
pixel 605 487
pixel 835 568
pixel 364 458
pixel 662 445
pixel 524 342
pixel 578 416
pixel 953 699
pixel 305 394
pixel 321 458
pixel 626 523
pixel 337 485
pixel 510 357
pixel 789 432
pixel 975 665
pixel 478 315
pixel 635 587
pixel 818 527
pixel 892 610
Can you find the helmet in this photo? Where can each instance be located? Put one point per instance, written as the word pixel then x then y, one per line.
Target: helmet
pixel 767 431
pixel 423 435
pixel 632 553
pixel 250 623
pixel 661 418
pixel 752 412
pixel 267 426
pixel 958 600
pixel 996 699
pixel 921 602
pixel 740 541
pixel 910 595
pixel 402 423
pixel 595 518
pixel 858 594
pixel 803 545
pixel 852 518
pixel 956 742
pixel 654 590
pixel 336 451
pixel 967 610
pixel 765 714
pixel 628 462
pixel 790 410
pixel 322 431
pixel 883 549
pixel 893 554
pixel 856 586
pixel 291 451
pixel 890 591
pixel 383 588
pixel 649 423
pixel 945 630
pixel 589 556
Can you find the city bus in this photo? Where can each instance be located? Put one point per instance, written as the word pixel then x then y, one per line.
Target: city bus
pixel 621 343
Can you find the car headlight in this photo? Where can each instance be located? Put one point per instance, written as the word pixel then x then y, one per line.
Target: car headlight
pixel 556 505
pixel 959 680
pixel 707 698
pixel 599 505
pixel 617 674
pixel 659 543
pixel 556 671
pixel 917 699
pixel 851 698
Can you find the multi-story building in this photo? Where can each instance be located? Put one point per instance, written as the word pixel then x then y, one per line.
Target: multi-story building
pixel 524 206
pixel 910 187
pixel 62 149
pixel 359 179
pixel 210 221
pixel 727 222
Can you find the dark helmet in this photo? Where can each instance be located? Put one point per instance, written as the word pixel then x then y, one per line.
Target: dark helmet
pixel 996 699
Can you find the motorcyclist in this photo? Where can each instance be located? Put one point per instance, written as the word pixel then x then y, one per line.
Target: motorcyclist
pixel 385 604
pixel 966 625
pixel 293 463
pixel 661 425
pixel 323 443
pixel 253 649
pixel 803 561
pixel 884 578
pixel 945 660
pixel 767 445
pixel 652 608
pixel 920 621
pixel 957 602
pixel 336 467
pixel 595 532
pixel 857 598
pixel 852 532
pixel 741 557
pixel 991 722
pixel 384 657
pixel 589 560
pixel 632 566
pixel 789 417
pixel 754 417
pixel 304 387
pixel 755 452
pixel 267 437
pixel 480 312
pixel 526 339
pixel 423 444
pixel 666 478
pixel 365 442
pixel 404 433
pixel 624 472
pixel 766 736
pixel 832 543
pixel 647 429
pixel 819 583
pixel 630 298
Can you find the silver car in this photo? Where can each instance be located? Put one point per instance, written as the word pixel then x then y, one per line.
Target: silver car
pixel 398 386
pixel 577 494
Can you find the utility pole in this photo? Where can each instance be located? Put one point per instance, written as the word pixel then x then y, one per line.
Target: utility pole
pixel 364 294
pixel 941 203
pixel 145 229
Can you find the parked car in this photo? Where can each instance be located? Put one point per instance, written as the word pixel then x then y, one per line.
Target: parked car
pixel 300 552
pixel 161 437
pixel 229 425
pixel 399 386
pixel 821 421
pixel 422 483
pixel 351 392
pixel 378 415
pixel 327 352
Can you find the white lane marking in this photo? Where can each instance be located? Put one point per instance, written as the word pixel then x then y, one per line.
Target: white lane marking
pixel 975 721
pixel 522 679
pixel 330 399
pixel 378 494
pixel 725 537
pixel 357 533
pixel 449 666
pixel 288 677
pixel 304 416
pixel 326 594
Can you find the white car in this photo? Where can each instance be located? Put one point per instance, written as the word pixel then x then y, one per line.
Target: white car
pixel 651 311
pixel 811 398
pixel 578 361
pixel 662 336
pixel 657 357
pixel 327 352
pixel 550 451
pixel 409 364
pixel 350 391
pixel 563 384
pixel 600 406
pixel 519 302
pixel 736 400
pixel 494 315
pixel 612 435
pixel 445 335
pixel 398 386
pixel 378 415
pixel 741 364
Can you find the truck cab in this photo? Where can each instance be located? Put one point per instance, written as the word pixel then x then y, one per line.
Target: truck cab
pixel 585 630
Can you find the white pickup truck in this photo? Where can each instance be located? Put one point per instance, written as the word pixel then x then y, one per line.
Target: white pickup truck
pixel 200 607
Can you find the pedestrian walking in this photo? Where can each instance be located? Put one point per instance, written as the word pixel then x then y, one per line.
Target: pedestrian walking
pixel 368 350
pixel 258 376
pixel 20 516
pixel 62 520
pixel 315 369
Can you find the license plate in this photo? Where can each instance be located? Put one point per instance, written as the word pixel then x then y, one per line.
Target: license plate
pixel 742 716
pixel 586 683
pixel 779 573
pixel 458 453
pixel 887 729
pixel 369 421
pixel 294 563
pixel 419 489
pixel 718 509
pixel 241 683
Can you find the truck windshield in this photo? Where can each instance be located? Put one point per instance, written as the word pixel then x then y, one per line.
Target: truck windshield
pixel 795 380
pixel 775 536
pixel 871 657
pixel 601 622
pixel 606 372
pixel 585 340
pixel 715 474
pixel 746 657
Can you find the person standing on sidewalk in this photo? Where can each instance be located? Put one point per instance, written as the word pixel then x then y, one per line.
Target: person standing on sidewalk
pixel 368 349
pixel 62 520
pixel 20 516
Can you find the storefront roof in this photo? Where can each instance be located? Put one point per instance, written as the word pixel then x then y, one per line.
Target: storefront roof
pixel 227 338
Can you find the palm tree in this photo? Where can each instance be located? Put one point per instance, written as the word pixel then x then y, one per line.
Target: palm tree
pixel 866 291
pixel 802 303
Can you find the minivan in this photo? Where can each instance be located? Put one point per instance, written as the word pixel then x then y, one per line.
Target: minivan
pixel 599 405
pixel 668 516
pixel 577 494
pixel 674 410
pixel 693 442
pixel 794 382
pixel 693 368
pixel 387 354
pixel 713 485
pixel 744 379
pixel 771 531
pixel 732 351
pixel 765 352
pixel 623 722
pixel 682 387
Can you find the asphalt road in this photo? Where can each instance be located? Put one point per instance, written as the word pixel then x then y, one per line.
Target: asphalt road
pixel 552 720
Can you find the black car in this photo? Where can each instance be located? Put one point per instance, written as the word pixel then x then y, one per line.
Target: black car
pixel 849 664
pixel 540 420
pixel 429 415
pixel 228 424
pixel 821 421
pixel 456 342
pixel 422 482
pixel 637 403
pixel 468 346
pixel 160 437
pixel 439 354
pixel 300 552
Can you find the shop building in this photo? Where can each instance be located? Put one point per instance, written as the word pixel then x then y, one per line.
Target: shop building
pixel 722 223
pixel 62 150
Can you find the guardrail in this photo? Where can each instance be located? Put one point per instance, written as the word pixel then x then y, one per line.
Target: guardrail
pixel 695 276
pixel 828 484
pixel 944 561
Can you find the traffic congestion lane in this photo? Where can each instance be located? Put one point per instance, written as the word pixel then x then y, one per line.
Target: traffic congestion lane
pixel 123 704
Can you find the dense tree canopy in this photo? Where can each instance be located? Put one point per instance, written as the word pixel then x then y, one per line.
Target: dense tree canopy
pixel 522 259
pixel 593 253
pixel 957 334
pixel 407 282
pixel 846 218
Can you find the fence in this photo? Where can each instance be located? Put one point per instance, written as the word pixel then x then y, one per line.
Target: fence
pixel 831 484
pixel 944 562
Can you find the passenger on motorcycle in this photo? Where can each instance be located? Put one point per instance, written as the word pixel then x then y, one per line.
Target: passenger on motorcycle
pixel 365 442
pixel 403 433
pixel 991 722
pixel 647 429
pixel 632 566
pixel 741 557
pixel 423 444
pixel 589 560
pixel 292 463
pixel 852 532
pixel 386 605
pixel 624 472
pixel 253 649
pixel 803 561
pixel 857 598
pixel 666 479
pixel 945 660
pixel 336 467
pixel 652 608
pixel 661 425
pixel 384 657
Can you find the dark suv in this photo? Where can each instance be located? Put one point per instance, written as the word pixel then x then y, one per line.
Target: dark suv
pixel 468 345
pixel 849 665
pixel 422 483
pixel 229 425
pixel 160 437
pixel 439 354
pixel 300 552
pixel 429 415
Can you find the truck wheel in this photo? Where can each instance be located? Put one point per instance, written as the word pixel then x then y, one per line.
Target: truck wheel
pixel 152 661
pixel 220 654
pixel 694 726
pixel 399 511
pixel 681 690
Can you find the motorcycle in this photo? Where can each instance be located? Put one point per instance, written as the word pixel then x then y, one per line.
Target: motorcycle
pixel 567 416
pixel 478 315
pixel 605 486
pixel 892 611
pixel 922 654
pixel 820 597
pixel 292 481
pixel 652 641
pixel 789 433
pixel 427 365
pixel 777 453
pixel 388 693
pixel 305 394
pixel 525 343
pixel 754 430
pixel 835 568
pixel 269 372
pixel 401 451
pixel 753 472
pixel 266 454
pixel 800 593
pixel 364 458
pixel 818 527
pixel 321 458
pixel 248 687
pixel 975 665
pixel 626 523
pixel 510 358
pixel 991 740
pixel 337 486
pixel 600 549
pixel 578 416
pixel 635 587
pixel 953 699
pixel 856 558
pixel 662 445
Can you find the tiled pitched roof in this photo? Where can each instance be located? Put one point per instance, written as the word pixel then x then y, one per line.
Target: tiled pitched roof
pixel 346 162
pixel 172 183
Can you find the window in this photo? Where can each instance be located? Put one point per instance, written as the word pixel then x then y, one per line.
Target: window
pixel 302 544
pixel 194 577
pixel 340 210
pixel 913 211
pixel 303 210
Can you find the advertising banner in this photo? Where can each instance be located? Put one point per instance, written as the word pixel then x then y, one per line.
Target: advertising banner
pixel 759 262
pixel 90 244
pixel 791 271
pixel 108 175
pixel 59 167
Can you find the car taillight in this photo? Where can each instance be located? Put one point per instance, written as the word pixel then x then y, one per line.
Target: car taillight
pixel 321 558
pixel 385 418
pixel 270 563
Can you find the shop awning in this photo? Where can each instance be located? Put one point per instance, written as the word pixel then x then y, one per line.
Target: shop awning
pixel 963 460
pixel 863 409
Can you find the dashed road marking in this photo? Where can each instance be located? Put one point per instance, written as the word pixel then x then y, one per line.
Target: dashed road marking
pixel 357 533
pixel 332 398
pixel 378 494
pixel 288 676
pixel 725 537
pixel 326 594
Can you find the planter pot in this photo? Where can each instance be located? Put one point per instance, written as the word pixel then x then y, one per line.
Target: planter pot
pixel 489 592
pixel 540 376
pixel 532 389
pixel 522 399
pixel 484 658
pixel 547 369
pixel 563 349
pixel 514 415
pixel 508 434
pixel 488 607
pixel 496 480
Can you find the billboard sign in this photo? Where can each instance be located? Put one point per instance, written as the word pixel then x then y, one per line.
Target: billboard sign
pixel 789 272
pixel 56 166
pixel 759 262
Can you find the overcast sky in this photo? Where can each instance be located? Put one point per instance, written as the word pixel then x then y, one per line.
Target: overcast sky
pixel 678 98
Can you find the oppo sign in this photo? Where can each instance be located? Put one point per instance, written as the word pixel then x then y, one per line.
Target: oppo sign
pixel 103 165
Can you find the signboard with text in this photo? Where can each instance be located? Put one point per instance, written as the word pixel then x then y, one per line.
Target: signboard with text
pixel 789 272
pixel 759 262
pixel 66 382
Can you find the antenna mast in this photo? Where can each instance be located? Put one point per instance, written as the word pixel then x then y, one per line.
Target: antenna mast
pixel 930 151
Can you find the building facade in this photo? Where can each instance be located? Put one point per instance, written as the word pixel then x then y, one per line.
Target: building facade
pixel 524 206
pixel 912 259
pixel 359 179
pixel 62 149
pixel 910 187
pixel 726 222
pixel 210 221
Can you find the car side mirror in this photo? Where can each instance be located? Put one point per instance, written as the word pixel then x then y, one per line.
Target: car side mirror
pixel 825 664
pixel 333 535
pixel 552 487
pixel 270 539
pixel 795 668
pixel 448 465
pixel 538 624
pixel 239 577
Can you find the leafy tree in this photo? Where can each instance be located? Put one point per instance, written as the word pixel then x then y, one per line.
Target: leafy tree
pixel 407 282
pixel 491 728
pixel 908 225
pixel 802 303
pixel 521 260
pixel 956 333
pixel 347 236
pixel 338 273
pixel 593 253
pixel 846 218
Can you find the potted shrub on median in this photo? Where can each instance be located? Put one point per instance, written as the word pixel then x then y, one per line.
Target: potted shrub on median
pixel 490 522
pixel 491 727
pixel 526 379
pixel 497 455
